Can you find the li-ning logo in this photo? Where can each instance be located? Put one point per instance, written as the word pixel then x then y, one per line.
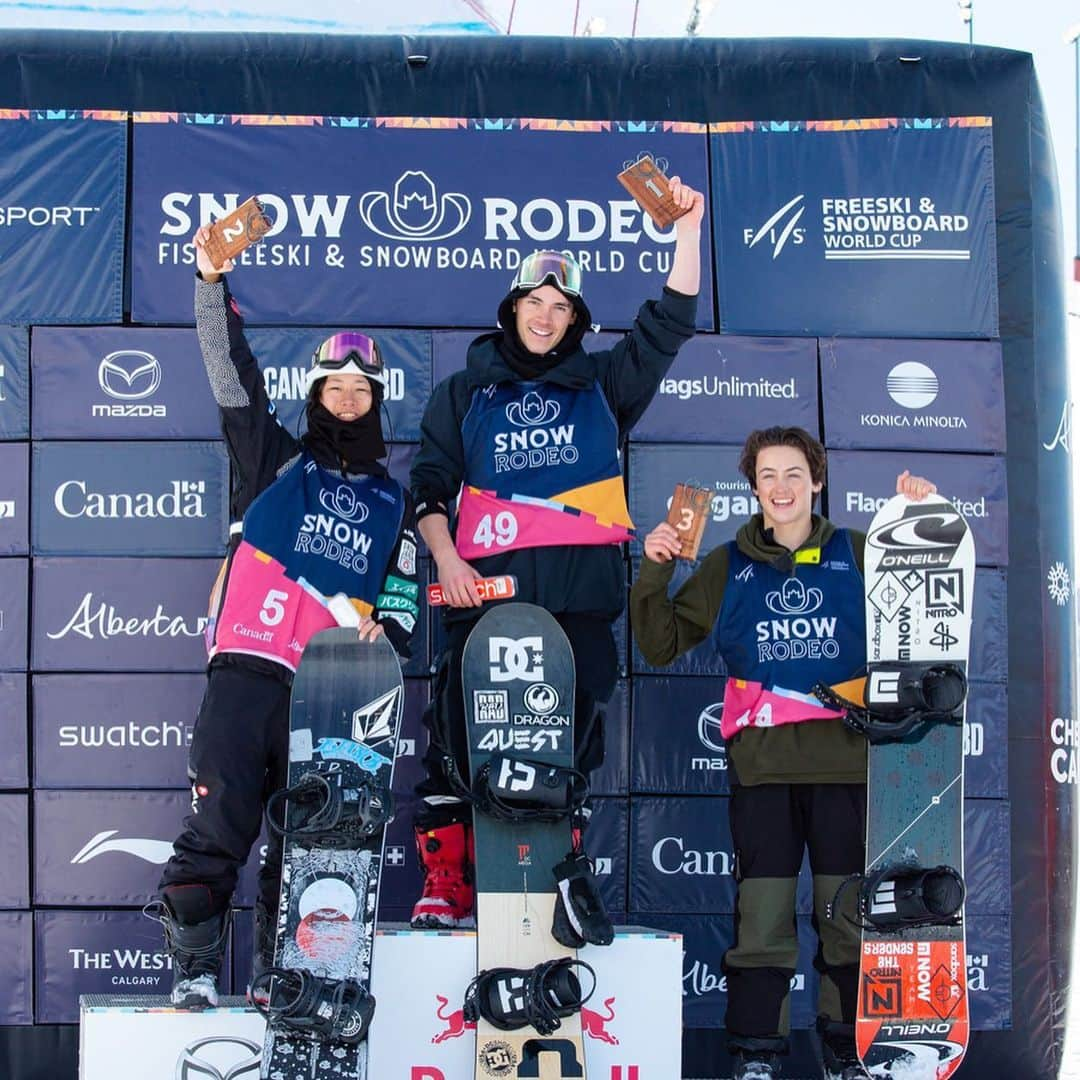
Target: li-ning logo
pixel 778 234
pixel 219 1057
pixel 532 410
pixel 375 722
pixel 794 598
pixel 516 658
pixel 129 375
pixel 416 212
pixel 912 385
pixel 344 503
pixel 151 851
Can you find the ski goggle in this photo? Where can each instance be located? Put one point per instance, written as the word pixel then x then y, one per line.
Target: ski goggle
pixel 549 267
pixel 347 353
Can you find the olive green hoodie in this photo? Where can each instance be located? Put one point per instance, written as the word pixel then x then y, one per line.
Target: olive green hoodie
pixel 815 752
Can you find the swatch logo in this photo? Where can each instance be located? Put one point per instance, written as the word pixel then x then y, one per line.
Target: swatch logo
pixel 152 851
pixel 129 374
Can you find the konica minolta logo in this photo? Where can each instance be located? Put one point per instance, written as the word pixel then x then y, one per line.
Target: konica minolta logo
pixel 182 499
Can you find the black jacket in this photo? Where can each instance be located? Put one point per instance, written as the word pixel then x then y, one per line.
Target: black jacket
pixel 586 580
pixel 259 447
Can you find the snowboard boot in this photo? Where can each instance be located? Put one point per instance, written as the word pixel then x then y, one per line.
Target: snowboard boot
pixel 838 1051
pixel 195 939
pixel 262 953
pixel 447 856
pixel 756 1066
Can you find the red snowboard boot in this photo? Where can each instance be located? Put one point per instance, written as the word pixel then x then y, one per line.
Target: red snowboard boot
pixel 447 856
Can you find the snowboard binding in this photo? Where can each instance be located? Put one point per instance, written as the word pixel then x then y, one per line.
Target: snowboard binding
pixel 899 896
pixel 902 697
pixel 326 812
pixel 580 916
pixel 312 1007
pixel 513 998
pixel 519 789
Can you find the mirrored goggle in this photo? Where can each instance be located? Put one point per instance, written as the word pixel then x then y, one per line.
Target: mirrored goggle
pixel 549 267
pixel 349 347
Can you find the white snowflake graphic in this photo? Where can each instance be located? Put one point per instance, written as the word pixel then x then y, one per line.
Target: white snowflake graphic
pixel 1057 581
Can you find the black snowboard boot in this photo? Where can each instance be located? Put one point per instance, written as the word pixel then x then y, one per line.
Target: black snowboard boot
pixel 756 1066
pixel 195 939
pixel 262 953
pixel 838 1051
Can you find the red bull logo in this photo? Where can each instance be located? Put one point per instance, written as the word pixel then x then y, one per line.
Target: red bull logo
pixel 456 1024
pixel 595 1024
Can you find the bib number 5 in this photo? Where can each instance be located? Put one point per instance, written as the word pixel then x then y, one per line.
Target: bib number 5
pixel 500 530
pixel 273 610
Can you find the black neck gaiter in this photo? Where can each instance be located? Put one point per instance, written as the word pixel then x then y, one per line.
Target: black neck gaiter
pixel 356 445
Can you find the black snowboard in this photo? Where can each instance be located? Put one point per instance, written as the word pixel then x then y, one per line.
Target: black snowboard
pixel 345 712
pixel 518 680
pixel 920 576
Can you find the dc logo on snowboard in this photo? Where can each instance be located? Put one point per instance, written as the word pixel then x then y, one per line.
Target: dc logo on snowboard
pixel 516 659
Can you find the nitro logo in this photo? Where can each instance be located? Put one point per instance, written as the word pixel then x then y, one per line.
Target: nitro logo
pixel 516 659
pixel 416 211
pixel 780 228
pixel 184 499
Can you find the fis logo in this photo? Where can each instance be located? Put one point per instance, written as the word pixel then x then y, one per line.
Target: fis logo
pixel 778 230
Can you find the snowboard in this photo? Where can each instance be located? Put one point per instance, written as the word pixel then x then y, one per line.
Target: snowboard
pixel 518 681
pixel 912 1019
pixel 345 712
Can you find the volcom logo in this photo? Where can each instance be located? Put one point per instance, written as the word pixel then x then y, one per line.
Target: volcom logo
pixel 129 374
pixel 778 235
pixel 151 851
pixel 532 410
pixel 417 211
pixel 912 385
pixel 794 598
pixel 219 1057
pixel 377 721
pixel 344 503
pixel 516 659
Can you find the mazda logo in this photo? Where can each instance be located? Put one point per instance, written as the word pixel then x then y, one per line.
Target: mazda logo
pixel 219 1057
pixel 129 374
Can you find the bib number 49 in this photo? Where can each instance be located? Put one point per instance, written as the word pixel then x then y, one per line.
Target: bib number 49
pixel 500 530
